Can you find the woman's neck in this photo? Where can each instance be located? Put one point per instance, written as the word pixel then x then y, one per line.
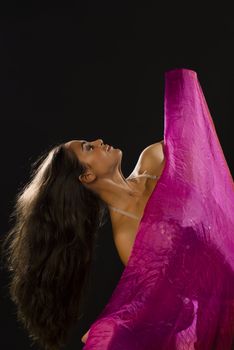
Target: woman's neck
pixel 119 191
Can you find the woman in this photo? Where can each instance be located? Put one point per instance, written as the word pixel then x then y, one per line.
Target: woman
pixel 171 226
pixel 105 178
pixel 50 245
pixel 57 216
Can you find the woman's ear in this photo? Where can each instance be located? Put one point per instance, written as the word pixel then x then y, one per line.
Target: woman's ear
pixel 87 177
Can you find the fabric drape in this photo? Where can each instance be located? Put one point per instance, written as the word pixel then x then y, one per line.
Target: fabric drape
pixel 177 290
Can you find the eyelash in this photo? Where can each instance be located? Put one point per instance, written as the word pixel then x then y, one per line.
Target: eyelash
pixel 90 146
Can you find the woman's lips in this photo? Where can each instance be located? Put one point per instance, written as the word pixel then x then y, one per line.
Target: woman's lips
pixel 109 148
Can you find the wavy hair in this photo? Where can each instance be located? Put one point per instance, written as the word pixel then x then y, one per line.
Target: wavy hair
pixel 49 248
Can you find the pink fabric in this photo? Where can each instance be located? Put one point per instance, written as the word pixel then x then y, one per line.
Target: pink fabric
pixel 177 290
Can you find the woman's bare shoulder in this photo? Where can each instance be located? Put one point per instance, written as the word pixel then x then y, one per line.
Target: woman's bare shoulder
pixel 151 159
pixel 155 149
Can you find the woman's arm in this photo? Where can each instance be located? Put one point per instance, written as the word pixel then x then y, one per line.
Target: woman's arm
pixel 152 159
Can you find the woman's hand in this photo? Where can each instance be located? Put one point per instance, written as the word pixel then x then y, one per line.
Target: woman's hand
pixel 85 337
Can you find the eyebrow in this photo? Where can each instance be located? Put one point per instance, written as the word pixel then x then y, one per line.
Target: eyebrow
pixel 82 144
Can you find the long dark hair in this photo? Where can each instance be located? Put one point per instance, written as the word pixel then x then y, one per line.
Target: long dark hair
pixel 50 247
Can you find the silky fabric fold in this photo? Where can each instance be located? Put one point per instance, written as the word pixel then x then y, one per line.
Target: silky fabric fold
pixel 177 289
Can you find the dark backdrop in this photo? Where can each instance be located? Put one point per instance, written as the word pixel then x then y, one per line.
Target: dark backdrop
pixel 96 70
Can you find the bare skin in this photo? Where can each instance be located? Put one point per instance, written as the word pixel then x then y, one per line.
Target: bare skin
pixel 104 176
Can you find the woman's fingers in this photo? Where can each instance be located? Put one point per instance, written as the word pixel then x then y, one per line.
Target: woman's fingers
pixel 85 337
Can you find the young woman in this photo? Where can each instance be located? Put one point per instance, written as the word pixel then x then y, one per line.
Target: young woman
pixel 104 176
pixel 125 197
pixel 172 221
pixel 58 214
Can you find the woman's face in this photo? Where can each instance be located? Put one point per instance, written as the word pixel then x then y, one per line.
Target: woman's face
pixel 97 159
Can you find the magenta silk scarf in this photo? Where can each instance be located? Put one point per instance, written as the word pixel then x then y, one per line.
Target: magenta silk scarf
pixel 177 290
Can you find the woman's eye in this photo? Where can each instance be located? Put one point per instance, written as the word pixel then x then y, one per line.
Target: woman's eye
pixel 90 146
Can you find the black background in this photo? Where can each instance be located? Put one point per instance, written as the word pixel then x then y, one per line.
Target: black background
pixel 96 70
